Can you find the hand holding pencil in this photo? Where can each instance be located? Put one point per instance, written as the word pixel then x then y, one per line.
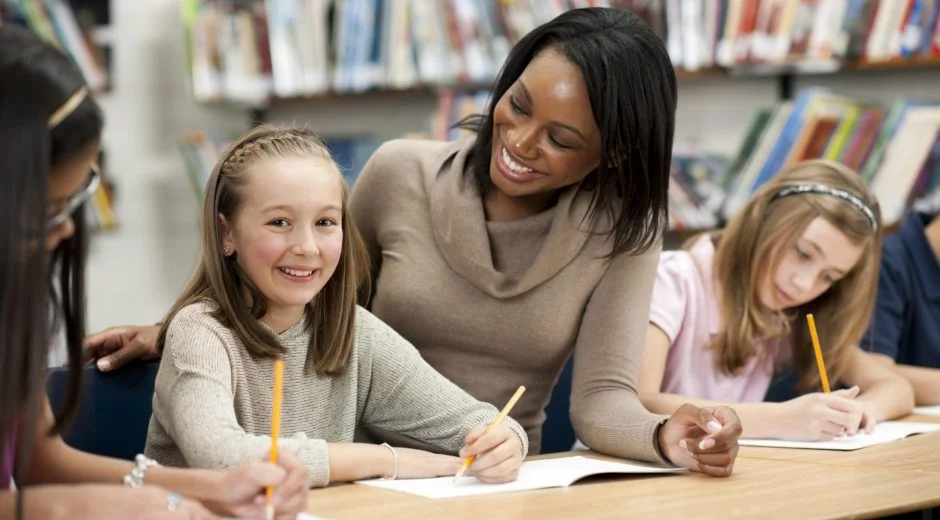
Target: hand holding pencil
pixel 494 452
pixel 824 415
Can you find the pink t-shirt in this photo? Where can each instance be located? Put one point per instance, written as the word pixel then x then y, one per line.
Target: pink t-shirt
pixel 684 306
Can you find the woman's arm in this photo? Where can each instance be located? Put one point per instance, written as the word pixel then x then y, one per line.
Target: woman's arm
pixel 606 411
pixel 889 394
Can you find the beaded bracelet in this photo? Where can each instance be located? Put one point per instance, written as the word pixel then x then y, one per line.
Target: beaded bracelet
pixel 135 478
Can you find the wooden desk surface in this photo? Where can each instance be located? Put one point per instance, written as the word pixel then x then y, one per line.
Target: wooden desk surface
pixel 761 487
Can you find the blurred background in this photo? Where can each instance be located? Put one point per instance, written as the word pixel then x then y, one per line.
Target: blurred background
pixel 762 83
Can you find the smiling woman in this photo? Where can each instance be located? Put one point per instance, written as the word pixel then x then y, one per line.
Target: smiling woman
pixel 544 137
pixel 536 238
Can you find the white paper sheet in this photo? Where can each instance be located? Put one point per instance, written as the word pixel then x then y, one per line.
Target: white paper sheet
pixel 538 474
pixel 888 431
pixel 928 410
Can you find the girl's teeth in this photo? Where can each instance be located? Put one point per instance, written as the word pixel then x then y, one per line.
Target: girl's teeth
pixel 301 274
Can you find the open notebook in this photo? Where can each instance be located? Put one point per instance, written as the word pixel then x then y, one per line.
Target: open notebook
pixel 927 410
pixel 538 474
pixel 888 431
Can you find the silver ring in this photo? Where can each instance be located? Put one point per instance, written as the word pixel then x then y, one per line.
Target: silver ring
pixel 173 501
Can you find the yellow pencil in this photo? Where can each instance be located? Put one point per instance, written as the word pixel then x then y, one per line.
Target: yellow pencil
pixel 819 357
pixel 499 418
pixel 275 429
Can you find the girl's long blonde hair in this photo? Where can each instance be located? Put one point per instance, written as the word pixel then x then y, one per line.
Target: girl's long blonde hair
pixel 331 314
pixel 751 247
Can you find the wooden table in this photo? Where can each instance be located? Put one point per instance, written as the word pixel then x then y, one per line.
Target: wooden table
pixel 767 483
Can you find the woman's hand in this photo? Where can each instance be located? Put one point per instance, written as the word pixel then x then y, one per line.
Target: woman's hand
pixel 702 439
pixel 116 346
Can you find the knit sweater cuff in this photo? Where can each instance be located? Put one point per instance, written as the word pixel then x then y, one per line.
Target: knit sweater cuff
pixel 315 456
pixel 654 440
pixel 520 432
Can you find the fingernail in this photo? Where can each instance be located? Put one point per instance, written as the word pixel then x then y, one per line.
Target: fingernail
pixel 713 426
pixel 683 445
pixel 104 364
pixel 706 444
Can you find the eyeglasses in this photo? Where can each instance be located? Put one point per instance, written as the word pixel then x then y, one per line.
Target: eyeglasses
pixel 76 200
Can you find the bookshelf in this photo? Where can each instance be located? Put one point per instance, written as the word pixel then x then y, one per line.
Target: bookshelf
pixel 82 29
pixel 403 55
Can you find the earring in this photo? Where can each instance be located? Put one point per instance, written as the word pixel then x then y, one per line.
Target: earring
pixel 226 250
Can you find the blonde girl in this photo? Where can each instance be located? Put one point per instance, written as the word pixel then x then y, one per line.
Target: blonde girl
pixel 731 308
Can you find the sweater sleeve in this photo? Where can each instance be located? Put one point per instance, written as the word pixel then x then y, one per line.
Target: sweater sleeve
pixel 605 409
pixel 409 397
pixel 194 401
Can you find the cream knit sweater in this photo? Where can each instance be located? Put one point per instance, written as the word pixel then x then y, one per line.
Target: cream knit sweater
pixel 212 402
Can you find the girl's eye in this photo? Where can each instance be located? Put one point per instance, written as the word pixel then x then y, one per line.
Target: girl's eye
pixel 326 222
pixel 278 222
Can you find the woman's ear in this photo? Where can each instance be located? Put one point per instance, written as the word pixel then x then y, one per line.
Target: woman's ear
pixel 225 234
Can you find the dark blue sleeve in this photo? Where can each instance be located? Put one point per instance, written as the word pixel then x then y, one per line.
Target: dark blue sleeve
pixel 887 322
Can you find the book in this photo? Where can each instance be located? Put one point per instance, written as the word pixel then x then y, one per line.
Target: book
pixel 538 474
pixel 888 431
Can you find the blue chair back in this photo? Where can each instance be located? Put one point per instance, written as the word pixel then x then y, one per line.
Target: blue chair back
pixel 557 432
pixel 114 408
pixel 782 387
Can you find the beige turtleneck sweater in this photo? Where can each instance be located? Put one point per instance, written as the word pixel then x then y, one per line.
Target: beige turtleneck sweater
pixel 212 399
pixel 495 305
